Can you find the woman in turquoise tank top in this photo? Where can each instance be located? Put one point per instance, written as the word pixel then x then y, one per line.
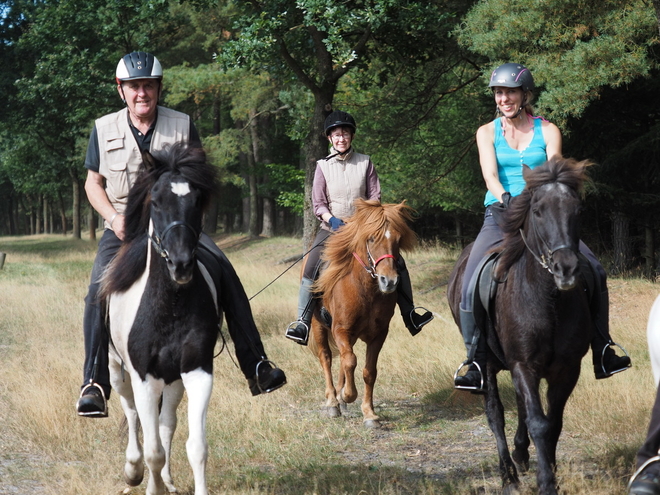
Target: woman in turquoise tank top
pixel 516 138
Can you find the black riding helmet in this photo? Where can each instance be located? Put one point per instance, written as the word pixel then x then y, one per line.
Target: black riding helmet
pixel 339 119
pixel 138 65
pixel 512 76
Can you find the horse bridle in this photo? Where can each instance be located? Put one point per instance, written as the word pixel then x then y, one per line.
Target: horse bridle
pixel 371 268
pixel 157 239
pixel 545 257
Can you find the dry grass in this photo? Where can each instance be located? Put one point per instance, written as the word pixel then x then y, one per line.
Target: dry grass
pixel 434 440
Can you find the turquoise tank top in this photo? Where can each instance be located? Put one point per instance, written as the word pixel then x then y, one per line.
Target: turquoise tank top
pixel 510 162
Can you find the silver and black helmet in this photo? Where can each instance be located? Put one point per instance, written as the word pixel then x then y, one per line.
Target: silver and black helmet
pixel 138 65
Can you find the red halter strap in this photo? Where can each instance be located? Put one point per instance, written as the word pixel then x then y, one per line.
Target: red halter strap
pixel 371 270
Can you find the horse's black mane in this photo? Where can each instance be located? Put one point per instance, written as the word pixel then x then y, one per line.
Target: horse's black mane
pixel 180 160
pixel 567 171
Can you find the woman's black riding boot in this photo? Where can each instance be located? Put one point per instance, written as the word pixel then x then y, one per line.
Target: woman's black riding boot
pixel 298 331
pixel 475 378
pixel 413 321
pixel 606 362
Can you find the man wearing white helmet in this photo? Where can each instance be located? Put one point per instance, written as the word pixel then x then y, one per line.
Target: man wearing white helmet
pixel 114 156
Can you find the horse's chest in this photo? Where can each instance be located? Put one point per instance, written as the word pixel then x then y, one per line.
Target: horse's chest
pixel 174 332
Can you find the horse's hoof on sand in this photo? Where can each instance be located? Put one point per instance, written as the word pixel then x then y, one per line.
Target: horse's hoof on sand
pixel 332 412
pixel 372 423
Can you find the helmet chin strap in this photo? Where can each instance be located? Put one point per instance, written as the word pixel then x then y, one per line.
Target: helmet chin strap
pixel 339 153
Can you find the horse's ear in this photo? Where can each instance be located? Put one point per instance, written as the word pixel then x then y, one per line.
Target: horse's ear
pixel 526 170
pixel 148 161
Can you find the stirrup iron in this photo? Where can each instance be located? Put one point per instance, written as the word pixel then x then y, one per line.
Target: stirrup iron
pixel 97 414
pixel 421 308
pixel 295 338
pixel 256 374
pixel 463 365
pixel 648 462
pixel 602 359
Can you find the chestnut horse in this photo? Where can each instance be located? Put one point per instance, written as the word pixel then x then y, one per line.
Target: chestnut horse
pixel 358 288
pixel 540 315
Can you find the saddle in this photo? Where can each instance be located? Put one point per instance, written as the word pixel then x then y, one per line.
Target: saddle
pixel 484 293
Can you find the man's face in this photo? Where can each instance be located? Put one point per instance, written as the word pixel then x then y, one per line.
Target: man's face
pixel 141 96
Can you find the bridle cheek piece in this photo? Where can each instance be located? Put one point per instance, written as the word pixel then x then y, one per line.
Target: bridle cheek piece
pixel 157 239
pixel 371 268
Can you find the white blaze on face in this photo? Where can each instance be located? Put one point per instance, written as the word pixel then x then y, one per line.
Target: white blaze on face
pixel 180 188
pixel 387 234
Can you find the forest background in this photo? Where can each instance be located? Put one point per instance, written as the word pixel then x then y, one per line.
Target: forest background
pixel 259 77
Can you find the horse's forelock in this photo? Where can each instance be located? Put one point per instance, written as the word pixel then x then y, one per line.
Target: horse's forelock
pixel 370 220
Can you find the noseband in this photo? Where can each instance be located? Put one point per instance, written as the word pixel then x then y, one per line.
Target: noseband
pixel 545 256
pixel 371 268
pixel 157 239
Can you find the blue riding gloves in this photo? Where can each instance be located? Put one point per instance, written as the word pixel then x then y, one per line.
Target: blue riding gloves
pixel 335 223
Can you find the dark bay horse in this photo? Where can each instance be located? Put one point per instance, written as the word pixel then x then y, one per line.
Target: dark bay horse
pixel 163 317
pixel 540 316
pixel 359 291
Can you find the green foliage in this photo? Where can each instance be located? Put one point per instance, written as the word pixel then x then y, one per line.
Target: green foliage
pixel 288 180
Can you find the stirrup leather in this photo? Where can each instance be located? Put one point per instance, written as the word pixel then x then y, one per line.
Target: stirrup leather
pixel 602 359
pixel 295 338
pixel 101 414
pixel 481 376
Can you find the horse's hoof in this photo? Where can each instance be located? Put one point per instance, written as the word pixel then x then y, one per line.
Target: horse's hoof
pixel 332 412
pixel 343 407
pixel 522 462
pixel 133 480
pixel 511 490
pixel 372 423
pixel 170 488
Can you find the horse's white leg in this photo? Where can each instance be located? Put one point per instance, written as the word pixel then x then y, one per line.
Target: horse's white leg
pixel 147 397
pixel 653 337
pixel 172 395
pixel 199 385
pixel 121 383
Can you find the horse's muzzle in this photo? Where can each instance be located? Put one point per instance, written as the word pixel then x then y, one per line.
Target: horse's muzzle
pixel 565 269
pixel 386 284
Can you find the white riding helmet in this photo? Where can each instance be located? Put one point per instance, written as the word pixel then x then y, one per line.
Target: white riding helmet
pixel 138 65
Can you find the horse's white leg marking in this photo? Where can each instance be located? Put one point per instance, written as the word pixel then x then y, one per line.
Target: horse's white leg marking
pixel 172 395
pixel 653 337
pixel 147 396
pixel 122 308
pixel 198 385
pixel 134 466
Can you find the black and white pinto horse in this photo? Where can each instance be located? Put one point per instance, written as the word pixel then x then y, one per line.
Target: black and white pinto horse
pixel 163 316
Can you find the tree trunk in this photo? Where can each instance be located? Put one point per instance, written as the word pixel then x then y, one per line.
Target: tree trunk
pixel 253 159
pixel 315 147
pixel 62 210
pixel 91 219
pixel 649 251
pixel 621 242
pixel 76 205
pixel 211 217
pixel 459 232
